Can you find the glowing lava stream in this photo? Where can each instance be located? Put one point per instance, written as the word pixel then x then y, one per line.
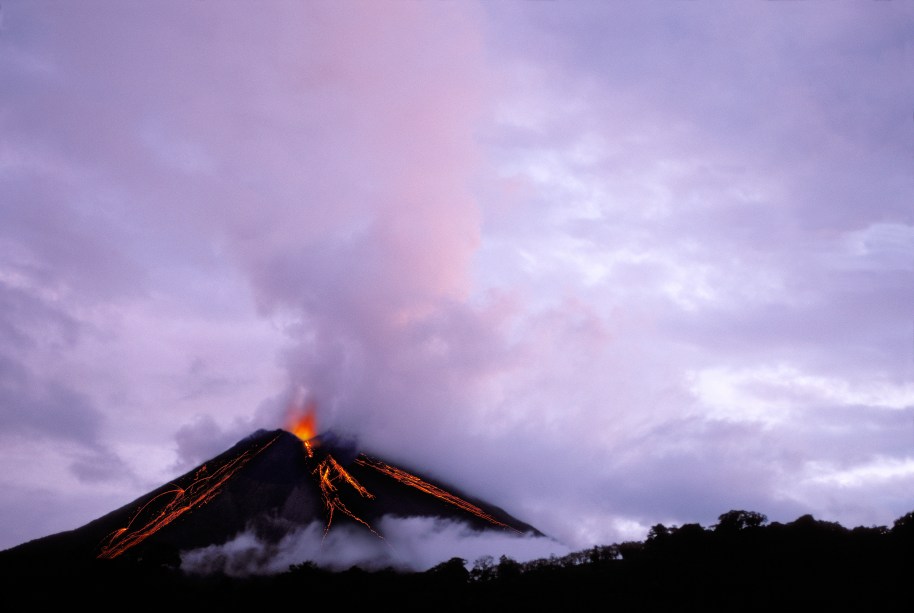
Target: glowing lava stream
pixel 329 471
pixel 413 481
pixel 201 490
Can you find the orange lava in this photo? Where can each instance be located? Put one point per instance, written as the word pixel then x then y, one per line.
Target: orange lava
pixel 303 424
pixel 414 481
pixel 173 504
pixel 329 472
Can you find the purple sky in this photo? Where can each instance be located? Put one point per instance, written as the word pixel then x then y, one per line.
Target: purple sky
pixel 602 264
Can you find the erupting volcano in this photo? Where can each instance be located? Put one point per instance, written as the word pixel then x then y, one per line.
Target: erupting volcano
pixel 270 483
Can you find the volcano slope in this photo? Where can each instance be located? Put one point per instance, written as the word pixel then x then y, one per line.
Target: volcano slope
pixel 270 483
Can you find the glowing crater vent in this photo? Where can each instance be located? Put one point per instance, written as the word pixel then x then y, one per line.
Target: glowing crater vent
pixel 303 424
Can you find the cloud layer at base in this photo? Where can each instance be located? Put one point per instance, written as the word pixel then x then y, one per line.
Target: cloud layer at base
pixel 409 544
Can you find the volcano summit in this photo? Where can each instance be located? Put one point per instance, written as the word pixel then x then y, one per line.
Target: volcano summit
pixel 270 484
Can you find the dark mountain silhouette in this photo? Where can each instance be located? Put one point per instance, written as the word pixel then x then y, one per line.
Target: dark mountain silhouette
pixel 271 483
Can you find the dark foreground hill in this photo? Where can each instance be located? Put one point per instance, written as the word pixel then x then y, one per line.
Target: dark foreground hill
pixel 740 564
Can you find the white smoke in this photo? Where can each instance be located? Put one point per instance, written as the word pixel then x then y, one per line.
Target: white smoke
pixel 411 544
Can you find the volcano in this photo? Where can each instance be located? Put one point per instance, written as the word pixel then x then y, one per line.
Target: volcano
pixel 270 483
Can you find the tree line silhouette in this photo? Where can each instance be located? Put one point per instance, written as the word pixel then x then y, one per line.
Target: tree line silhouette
pixel 741 563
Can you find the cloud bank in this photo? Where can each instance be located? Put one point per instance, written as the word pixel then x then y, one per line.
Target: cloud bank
pixel 410 544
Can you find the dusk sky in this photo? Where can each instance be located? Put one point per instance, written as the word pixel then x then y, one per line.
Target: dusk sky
pixel 603 264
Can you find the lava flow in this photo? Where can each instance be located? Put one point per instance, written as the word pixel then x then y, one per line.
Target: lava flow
pixel 168 506
pixel 413 481
pixel 329 471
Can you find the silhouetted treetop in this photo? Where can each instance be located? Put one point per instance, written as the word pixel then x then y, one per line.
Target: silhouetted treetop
pixel 734 521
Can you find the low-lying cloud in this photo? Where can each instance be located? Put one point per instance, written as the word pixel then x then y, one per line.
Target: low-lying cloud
pixel 409 544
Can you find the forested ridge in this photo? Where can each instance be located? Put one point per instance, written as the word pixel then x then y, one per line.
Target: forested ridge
pixel 741 563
